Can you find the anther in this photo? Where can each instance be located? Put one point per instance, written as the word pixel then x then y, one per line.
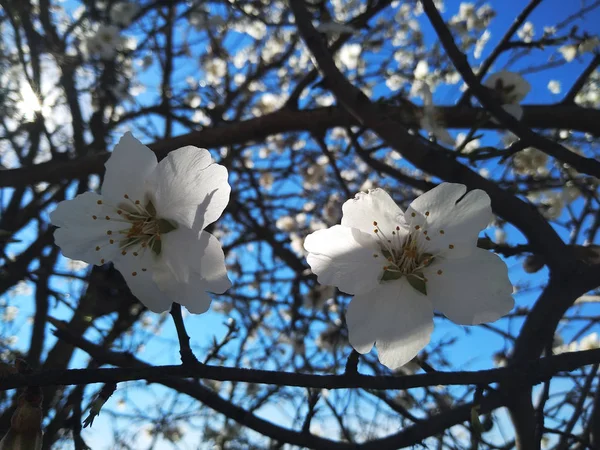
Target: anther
pixel 427 213
pixel 109 232
pixel 107 217
pixel 126 196
pixel 102 261
pixel 441 231
pixel 427 238
pixel 439 272
pixel 375 230
pixel 119 212
pixel 425 232
pixel 137 202
pixel 413 215
pixel 135 253
pixel 134 273
pixel 123 253
pixel 98 248
pixel 375 255
pixel 94 217
pixel 451 246
pixel 397 228
pixel 144 269
pixel 417 227
pixel 374 223
pixel 111 241
pixel 99 202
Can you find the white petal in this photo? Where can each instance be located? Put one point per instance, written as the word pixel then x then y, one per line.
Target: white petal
pixel 189 188
pixel 396 317
pixel 374 206
pixel 451 225
pixel 142 284
pixel 472 290
pixel 192 295
pixel 343 257
pixel 195 257
pixel 127 170
pixel 80 235
pixel 514 110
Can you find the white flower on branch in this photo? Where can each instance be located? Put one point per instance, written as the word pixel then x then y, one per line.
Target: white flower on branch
pixel 510 89
pixel 401 265
pixel 105 42
pixel 431 121
pixel 149 221
pixel 122 13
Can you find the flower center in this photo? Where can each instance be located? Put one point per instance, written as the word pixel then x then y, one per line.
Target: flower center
pixel 137 227
pixel 405 256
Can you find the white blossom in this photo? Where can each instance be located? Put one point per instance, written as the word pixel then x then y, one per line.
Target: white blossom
pixel 401 265
pixel 149 221
pixel 105 42
pixel 122 13
pixel 554 86
pixel 526 32
pixel 510 89
pixel 530 161
pixel 430 120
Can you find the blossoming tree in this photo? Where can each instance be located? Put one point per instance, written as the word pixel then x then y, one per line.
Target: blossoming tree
pixel 314 224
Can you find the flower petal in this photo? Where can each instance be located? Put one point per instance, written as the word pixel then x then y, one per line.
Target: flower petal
pixel 82 237
pixel 514 110
pixel 396 317
pixel 141 281
pixel 451 219
pixel 189 188
pixel 343 257
pixel 471 290
pixel 127 170
pixel 374 206
pixel 195 257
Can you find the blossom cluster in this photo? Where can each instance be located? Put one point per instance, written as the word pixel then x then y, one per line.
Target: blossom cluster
pixel 150 217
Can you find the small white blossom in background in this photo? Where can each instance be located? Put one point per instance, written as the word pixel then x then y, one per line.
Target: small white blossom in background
pixel 552 204
pixel 318 296
pixel 554 86
pixel 122 13
pixel 526 32
pixel 430 121
pixel 589 45
pixel 10 313
pixel 588 342
pixel 569 52
pixel 286 223
pixel 349 56
pixel 149 221
pixel 105 42
pixel 510 89
pixel 470 146
pixel 401 265
pixel 480 44
pixel 530 161
pixel 214 70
